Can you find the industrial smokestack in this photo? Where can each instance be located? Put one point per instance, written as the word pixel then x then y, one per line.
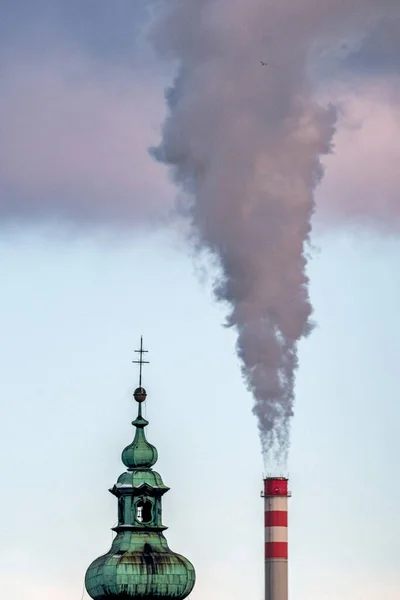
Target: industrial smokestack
pixel 276 538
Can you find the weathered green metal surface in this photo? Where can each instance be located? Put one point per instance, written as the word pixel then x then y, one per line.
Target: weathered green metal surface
pixel 139 564
pixel 139 454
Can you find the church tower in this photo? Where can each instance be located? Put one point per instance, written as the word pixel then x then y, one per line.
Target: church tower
pixel 139 564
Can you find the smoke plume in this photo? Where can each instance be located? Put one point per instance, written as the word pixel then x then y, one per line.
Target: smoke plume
pixel 244 142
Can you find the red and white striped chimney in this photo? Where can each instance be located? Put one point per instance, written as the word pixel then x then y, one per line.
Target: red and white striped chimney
pixel 276 538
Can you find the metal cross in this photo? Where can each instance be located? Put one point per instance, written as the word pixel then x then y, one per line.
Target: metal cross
pixel 141 362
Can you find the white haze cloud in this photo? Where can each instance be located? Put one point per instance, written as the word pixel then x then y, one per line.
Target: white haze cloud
pixel 15 589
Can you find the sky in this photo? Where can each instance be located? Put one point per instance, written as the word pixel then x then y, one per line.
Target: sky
pixel 91 257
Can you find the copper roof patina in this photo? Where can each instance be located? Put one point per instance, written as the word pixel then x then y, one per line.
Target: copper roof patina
pixel 139 564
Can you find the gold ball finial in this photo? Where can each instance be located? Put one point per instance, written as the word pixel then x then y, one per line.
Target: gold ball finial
pixel 140 394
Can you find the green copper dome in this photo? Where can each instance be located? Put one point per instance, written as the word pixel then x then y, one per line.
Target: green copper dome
pixel 139 564
pixel 140 454
pixel 141 567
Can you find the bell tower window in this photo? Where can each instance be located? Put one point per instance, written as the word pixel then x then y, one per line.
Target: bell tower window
pixel 144 511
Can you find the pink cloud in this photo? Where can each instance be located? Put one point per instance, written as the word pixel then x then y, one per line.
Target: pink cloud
pixel 74 139
pixel 362 178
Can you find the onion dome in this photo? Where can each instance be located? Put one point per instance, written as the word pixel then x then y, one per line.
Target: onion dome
pixel 139 454
pixel 140 564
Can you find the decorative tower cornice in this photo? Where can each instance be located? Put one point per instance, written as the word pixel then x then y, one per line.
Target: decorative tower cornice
pixel 139 564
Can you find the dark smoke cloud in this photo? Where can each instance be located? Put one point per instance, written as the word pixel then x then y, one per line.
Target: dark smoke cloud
pixel 245 143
